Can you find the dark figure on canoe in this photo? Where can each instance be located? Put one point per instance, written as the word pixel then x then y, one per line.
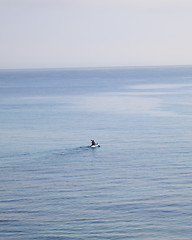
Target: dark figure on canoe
pixel 93 142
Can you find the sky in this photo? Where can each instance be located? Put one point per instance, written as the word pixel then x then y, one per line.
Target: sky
pixel 94 33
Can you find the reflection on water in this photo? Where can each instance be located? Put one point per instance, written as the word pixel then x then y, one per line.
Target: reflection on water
pixel 139 102
pixel 148 99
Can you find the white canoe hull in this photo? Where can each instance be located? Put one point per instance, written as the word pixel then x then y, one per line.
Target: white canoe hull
pixel 95 146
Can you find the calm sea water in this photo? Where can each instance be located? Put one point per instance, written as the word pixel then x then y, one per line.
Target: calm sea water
pixel 137 185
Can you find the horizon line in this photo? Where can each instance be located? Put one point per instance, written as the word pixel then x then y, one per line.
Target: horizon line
pixel 95 67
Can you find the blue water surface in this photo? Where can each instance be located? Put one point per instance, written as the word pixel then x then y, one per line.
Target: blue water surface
pixel 137 185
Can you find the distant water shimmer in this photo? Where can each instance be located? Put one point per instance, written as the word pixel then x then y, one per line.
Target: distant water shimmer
pixel 137 185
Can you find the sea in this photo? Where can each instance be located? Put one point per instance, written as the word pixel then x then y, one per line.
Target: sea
pixel 137 185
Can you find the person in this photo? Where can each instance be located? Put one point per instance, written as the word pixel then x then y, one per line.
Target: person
pixel 93 142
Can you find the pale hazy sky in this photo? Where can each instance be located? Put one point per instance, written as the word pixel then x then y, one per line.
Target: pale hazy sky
pixel 94 33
